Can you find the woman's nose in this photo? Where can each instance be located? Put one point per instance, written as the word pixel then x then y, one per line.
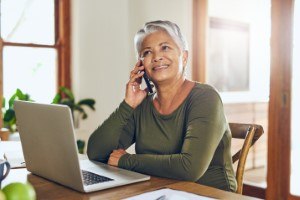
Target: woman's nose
pixel 157 57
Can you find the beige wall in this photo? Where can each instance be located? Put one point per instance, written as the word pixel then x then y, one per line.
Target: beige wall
pixel 102 43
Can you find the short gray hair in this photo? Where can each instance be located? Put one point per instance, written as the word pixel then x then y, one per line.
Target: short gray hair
pixel 150 27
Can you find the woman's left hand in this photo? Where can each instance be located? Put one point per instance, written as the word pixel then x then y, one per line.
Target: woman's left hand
pixel 115 157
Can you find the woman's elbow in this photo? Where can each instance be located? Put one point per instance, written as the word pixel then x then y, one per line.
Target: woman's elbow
pixel 191 171
pixel 192 175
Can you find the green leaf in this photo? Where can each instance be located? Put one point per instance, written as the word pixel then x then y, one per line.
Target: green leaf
pixel 88 102
pixel 20 94
pixel 84 115
pixel 9 118
pixel 3 102
pixel 11 101
pixel 56 99
pixel 26 98
pixel 67 92
pixel 9 115
pixel 78 108
pixel 80 146
pixel 66 97
pixel 81 111
pixel 67 101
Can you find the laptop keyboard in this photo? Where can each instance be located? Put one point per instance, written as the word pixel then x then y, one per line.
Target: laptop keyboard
pixel 90 178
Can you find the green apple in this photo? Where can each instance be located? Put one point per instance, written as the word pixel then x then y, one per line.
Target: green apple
pixel 19 191
pixel 2 196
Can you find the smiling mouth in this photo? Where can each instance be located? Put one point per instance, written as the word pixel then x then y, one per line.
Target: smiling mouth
pixel 160 67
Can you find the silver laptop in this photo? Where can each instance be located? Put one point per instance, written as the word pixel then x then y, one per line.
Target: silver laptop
pixel 50 150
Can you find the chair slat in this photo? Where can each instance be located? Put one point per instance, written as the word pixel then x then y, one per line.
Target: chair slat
pixel 250 133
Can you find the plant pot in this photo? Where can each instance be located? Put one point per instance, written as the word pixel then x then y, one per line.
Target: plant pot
pixel 4 134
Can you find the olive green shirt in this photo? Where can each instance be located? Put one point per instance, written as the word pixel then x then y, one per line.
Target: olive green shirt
pixel 192 143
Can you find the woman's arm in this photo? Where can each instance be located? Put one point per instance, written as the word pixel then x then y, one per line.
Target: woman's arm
pixel 116 132
pixel 205 129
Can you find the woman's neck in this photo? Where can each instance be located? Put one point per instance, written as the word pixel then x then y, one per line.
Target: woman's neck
pixel 167 96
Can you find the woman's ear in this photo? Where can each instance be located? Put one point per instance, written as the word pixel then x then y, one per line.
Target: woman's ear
pixel 185 55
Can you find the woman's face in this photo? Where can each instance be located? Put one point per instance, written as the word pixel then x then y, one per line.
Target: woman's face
pixel 162 58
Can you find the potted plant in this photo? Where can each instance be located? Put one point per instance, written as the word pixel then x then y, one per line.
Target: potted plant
pixel 66 97
pixel 9 116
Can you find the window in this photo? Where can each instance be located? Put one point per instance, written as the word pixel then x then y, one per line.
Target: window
pixel 35 47
pixel 228 53
pixel 238 50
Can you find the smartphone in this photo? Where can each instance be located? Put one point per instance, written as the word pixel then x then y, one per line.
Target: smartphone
pixel 147 81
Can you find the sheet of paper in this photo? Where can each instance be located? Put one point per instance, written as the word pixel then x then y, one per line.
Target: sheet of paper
pixel 12 151
pixel 15 159
pixel 168 194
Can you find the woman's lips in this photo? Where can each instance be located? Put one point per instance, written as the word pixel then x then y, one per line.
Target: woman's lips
pixel 160 67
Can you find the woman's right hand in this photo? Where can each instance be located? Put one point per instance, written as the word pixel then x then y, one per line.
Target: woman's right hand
pixel 134 94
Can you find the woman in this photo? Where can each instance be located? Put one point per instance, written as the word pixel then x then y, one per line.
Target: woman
pixel 180 131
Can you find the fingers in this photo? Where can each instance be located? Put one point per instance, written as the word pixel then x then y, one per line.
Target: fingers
pixel 139 63
pixel 136 70
pixel 136 77
pixel 117 152
pixel 112 161
pixel 115 156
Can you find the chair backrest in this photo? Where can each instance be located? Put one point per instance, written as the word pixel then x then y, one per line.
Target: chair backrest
pixel 250 133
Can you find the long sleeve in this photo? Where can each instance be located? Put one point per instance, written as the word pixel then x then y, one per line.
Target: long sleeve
pixel 204 130
pixel 115 132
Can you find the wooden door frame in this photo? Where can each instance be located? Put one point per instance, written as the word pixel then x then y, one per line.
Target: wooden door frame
pixel 279 139
pixel 199 43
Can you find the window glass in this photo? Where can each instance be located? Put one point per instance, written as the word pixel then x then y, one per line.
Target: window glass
pixel 228 55
pixel 33 70
pixel 28 21
pixel 238 62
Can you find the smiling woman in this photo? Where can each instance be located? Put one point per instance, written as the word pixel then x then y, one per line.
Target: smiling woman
pixel 164 52
pixel 180 131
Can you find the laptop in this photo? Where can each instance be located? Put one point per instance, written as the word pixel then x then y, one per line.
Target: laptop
pixel 50 150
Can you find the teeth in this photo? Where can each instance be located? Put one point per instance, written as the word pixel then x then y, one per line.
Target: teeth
pixel 160 67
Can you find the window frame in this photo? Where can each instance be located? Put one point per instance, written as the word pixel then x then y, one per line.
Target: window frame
pixel 62 9
pixel 279 142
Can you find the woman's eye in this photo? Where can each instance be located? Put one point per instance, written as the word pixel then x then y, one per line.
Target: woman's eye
pixel 165 48
pixel 145 53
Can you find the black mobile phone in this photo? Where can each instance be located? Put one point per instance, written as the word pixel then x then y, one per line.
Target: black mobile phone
pixel 147 80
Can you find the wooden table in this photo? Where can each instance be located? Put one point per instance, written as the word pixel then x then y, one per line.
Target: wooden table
pixel 49 190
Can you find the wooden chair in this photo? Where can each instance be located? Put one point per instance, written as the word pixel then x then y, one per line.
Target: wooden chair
pixel 250 133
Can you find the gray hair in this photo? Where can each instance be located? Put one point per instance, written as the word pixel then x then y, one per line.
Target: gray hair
pixel 150 27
